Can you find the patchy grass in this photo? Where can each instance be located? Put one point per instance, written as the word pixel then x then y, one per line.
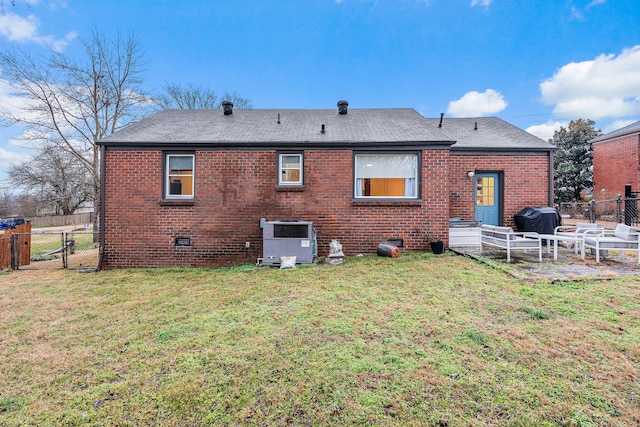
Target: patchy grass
pixel 43 243
pixel 414 340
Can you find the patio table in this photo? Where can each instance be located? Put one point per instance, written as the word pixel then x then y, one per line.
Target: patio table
pixel 555 238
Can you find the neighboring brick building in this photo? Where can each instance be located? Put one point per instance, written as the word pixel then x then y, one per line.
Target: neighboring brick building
pixel 616 162
pixel 205 179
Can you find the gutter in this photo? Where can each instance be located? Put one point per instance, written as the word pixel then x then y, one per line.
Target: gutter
pixel 103 198
pixel 253 145
pixel 551 175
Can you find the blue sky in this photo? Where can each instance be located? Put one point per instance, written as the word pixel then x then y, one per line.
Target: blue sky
pixel 536 64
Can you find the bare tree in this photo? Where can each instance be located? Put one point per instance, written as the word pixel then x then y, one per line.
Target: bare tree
pixel 7 202
pixel 56 178
pixel 27 205
pixel 190 97
pixel 71 104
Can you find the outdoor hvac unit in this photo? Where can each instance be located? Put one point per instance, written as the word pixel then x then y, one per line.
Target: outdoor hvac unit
pixel 288 238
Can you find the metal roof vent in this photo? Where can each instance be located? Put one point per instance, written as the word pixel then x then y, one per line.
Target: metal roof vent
pixel 342 107
pixel 227 106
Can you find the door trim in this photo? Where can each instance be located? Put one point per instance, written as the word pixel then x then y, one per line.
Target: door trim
pixel 499 175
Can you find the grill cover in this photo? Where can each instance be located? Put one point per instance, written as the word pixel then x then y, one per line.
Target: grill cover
pixel 542 220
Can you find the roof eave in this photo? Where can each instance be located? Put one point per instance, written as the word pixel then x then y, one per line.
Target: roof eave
pixel 501 150
pixel 609 138
pixel 445 144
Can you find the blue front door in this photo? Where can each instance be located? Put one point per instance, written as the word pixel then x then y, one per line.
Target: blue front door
pixel 488 198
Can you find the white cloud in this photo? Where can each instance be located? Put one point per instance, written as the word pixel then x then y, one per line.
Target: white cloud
pixel 9 157
pixel 17 28
pixel 546 130
pixel 61 44
pixel 477 104
pixel 11 102
pixel 608 86
pixel 21 29
pixel 484 3
pixel 576 14
pixel 15 104
pixel 14 147
pixel 579 14
pixel 617 124
pixel 596 3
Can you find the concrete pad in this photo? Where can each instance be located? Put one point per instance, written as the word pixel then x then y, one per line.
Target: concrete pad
pixel 568 266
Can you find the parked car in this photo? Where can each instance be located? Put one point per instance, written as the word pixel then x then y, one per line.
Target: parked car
pixel 11 223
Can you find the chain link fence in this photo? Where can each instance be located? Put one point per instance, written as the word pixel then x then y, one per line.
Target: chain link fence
pixel 73 250
pixel 605 212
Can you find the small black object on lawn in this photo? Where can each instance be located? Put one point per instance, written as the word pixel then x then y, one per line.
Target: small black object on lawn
pixel 437 247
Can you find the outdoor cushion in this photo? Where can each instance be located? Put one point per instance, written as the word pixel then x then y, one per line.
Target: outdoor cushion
pixel 581 225
pixel 578 229
pixel 508 231
pixel 524 242
pixel 506 238
pixel 611 243
pixel 625 232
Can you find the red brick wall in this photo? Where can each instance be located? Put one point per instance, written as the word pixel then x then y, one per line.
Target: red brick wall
pixel 615 164
pixel 234 189
pixel 525 182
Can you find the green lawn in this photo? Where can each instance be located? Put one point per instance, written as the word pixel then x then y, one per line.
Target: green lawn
pixel 43 243
pixel 414 340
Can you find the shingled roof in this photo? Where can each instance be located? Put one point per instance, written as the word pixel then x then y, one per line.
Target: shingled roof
pixel 489 134
pixel 627 130
pixel 265 127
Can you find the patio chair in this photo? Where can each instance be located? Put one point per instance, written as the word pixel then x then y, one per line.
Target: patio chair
pixel 575 233
pixel 622 238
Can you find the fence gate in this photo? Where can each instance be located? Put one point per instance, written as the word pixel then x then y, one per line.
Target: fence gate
pixel 40 251
pixel 9 256
pixel 630 205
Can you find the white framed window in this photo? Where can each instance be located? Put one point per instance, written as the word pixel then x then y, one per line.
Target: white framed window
pixel 179 176
pixel 386 176
pixel 290 167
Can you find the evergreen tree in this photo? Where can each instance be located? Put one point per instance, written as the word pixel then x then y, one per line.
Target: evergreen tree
pixel 573 161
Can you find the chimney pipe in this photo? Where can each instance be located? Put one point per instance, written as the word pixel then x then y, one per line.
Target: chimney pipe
pixel 441 117
pixel 322 129
pixel 227 106
pixel 342 107
pixel 476 126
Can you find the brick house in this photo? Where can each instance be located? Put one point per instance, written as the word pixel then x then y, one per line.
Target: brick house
pixel 190 187
pixel 619 152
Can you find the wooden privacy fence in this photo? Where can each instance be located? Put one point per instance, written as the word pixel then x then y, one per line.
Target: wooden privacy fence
pixel 15 237
pixel 59 220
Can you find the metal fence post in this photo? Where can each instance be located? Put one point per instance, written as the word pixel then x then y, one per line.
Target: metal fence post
pixel 63 237
pixel 619 209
